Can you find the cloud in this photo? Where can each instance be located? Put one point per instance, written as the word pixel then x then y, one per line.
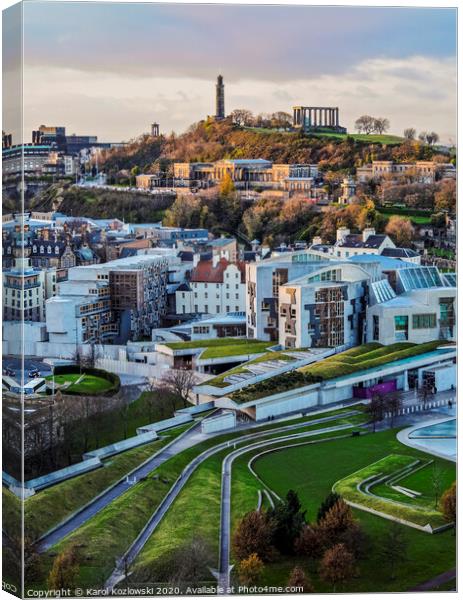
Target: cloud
pixel 120 106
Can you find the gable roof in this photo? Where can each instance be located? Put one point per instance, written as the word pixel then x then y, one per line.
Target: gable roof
pixel 205 272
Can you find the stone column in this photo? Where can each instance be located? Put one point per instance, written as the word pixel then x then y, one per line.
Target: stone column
pixel 326 117
pixel 337 117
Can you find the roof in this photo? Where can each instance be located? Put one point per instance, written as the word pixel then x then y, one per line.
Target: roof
pixel 386 263
pixel 253 162
pixel 207 273
pixel 399 253
pixel 353 240
pixel 221 241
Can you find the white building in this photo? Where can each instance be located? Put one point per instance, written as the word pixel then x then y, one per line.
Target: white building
pixel 215 287
pixel 324 309
pixel 421 307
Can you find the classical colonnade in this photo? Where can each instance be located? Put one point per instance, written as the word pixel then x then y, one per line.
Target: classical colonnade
pixel 315 116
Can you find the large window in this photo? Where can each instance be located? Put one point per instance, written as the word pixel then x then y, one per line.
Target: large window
pixel 401 328
pixel 426 321
pixel 375 327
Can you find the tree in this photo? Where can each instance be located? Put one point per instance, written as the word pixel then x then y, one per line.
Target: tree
pixel 289 520
pixel 380 125
pixel 445 198
pixel 393 548
pixel 365 124
pixel 410 133
pixel 227 186
pixel 337 565
pixel 327 504
pixel 432 138
pixel 300 581
pixel 64 571
pixel 393 404
pixel 436 483
pixel 250 569
pixel 310 542
pixel 180 383
pixel 242 117
pixel 133 174
pixel 337 521
pixel 375 410
pixel 448 503
pixel 281 119
pixel 253 535
pixel 401 230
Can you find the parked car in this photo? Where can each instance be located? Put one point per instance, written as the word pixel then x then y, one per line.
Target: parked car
pixel 10 372
pixel 34 373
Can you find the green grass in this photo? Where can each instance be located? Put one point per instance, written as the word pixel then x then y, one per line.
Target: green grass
pixel 385 499
pixel 107 535
pixel 222 347
pixel 424 219
pixel 361 358
pixel 305 469
pixel 88 384
pixel 11 513
pixel 52 505
pixel 371 138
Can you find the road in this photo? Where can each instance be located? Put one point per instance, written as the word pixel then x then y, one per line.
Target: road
pixel 127 559
pixel 29 364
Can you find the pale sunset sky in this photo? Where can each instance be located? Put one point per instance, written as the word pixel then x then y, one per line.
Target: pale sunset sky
pixel 112 69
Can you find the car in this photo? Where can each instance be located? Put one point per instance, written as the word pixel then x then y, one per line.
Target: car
pixel 10 372
pixel 33 373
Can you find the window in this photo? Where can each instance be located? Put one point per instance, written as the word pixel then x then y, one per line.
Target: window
pixel 401 327
pixel 375 327
pixel 425 321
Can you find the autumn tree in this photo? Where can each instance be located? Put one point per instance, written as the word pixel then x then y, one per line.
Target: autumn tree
pixel 393 548
pixel 448 503
pixel 401 230
pixel 410 133
pixel 337 566
pixel 327 504
pixel 445 198
pixel 227 186
pixel 298 579
pixel 250 569
pixel 310 542
pixel 253 535
pixel 64 570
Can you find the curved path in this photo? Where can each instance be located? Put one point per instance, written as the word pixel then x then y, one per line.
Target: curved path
pixel 135 548
pixel 189 438
pixel 225 515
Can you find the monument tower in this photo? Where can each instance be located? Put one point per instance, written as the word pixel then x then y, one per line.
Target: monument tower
pixel 219 99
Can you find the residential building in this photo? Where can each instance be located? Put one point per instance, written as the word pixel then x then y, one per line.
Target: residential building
pixel 215 287
pixel 425 171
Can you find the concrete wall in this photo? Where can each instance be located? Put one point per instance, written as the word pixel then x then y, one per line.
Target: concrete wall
pixel 304 400
pixel 224 421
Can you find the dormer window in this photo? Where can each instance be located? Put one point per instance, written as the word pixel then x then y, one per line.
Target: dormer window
pixel 49 249
pixel 56 249
pixel 41 249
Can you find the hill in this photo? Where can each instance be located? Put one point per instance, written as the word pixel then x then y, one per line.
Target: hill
pixel 209 141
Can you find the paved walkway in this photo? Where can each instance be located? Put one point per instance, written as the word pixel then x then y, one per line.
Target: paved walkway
pixel 435 581
pixel 191 437
pixel 135 548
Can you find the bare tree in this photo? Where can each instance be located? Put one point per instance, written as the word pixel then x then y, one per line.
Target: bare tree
pixel 380 124
pixel 365 124
pixel 180 383
pixel 376 410
pixel 410 133
pixel 242 116
pixel 394 547
pixel 437 477
pixel 393 403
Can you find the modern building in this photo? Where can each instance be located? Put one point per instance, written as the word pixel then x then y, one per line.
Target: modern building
pixel 325 309
pixel 416 304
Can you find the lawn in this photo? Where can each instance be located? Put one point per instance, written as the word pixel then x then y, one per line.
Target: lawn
pixel 88 384
pixel 370 138
pixel 385 499
pixel 416 219
pixel 107 535
pixel 52 505
pixel 304 469
pixel 222 347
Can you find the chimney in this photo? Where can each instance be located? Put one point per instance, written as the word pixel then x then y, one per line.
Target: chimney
pixel 341 233
pixel 196 259
pixel 367 232
pixel 215 260
pixel 317 240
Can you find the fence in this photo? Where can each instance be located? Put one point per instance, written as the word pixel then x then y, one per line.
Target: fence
pixel 406 410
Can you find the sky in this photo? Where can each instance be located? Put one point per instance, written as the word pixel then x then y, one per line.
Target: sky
pixel 112 69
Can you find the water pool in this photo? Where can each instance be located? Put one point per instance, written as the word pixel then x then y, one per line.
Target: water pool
pixel 445 430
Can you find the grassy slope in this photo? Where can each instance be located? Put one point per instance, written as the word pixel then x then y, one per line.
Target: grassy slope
pixel 52 505
pixel 89 383
pixel 216 348
pixel 305 471
pixel 107 535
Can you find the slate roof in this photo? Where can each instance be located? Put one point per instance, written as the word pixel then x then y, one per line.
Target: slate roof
pixel 205 272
